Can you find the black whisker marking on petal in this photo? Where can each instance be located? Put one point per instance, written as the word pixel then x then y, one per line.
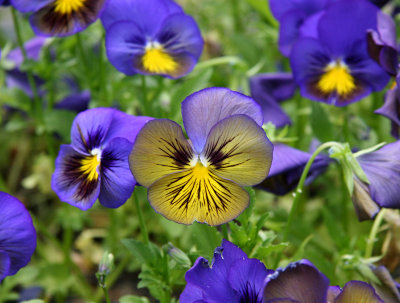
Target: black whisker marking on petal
pixel 177 152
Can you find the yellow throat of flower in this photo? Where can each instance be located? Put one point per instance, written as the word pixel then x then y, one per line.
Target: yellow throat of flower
pixel 89 167
pixel 200 171
pixel 66 7
pixel 336 78
pixel 157 60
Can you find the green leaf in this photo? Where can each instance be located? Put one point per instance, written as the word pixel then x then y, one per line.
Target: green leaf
pixel 206 239
pixel 262 7
pixel 147 254
pixel 335 230
pixel 320 123
pixel 59 121
pixel 133 299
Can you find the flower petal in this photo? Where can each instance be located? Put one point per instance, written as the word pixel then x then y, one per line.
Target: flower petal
pixel 47 21
pixel 197 194
pixel 4 264
pixel 357 291
pixel 205 108
pixel 70 183
pixel 17 233
pixel 117 182
pixel 239 150
pixel 32 48
pixel 299 281
pixel 365 207
pixel 26 6
pixel 159 149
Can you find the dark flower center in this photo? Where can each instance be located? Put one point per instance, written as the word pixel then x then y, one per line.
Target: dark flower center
pixel 249 294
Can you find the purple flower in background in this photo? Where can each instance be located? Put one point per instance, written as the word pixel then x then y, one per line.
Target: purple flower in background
pixel 330 61
pixel 153 37
pixel 292 16
pixel 60 17
pixel 286 169
pixel 382 45
pixel 232 277
pixel 269 90
pixel 95 164
pixel 202 178
pixel 382 168
pixel 302 282
pixel 4 2
pixel 17 236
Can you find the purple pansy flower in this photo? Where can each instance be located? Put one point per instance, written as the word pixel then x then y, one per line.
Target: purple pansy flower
pixel 151 37
pixel 17 236
pixel 202 178
pixel 269 90
pixel 382 168
pixel 302 282
pixel 287 166
pixel 60 17
pixel 232 277
pixel 330 61
pixel 95 164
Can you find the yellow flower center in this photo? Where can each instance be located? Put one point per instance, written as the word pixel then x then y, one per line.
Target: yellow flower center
pixel 89 167
pixel 157 60
pixel 200 171
pixel 337 78
pixel 66 7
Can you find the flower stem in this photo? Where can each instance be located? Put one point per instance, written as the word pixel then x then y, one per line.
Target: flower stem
pixel 106 296
pixel 146 102
pixel 143 228
pixel 300 186
pixel 372 235
pixel 36 106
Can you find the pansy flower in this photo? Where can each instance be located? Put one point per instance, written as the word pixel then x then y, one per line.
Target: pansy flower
pixel 302 282
pixel 152 37
pixel 382 168
pixel 330 61
pixel 60 17
pixel 95 164
pixel 17 236
pixel 201 178
pixel 232 277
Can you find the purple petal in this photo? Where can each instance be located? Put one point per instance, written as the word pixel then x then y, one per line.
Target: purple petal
pixel 345 22
pixel 76 102
pixel 269 89
pixel 148 15
pixel 299 281
pixel 191 294
pixel 289 30
pixel 117 182
pixel 17 233
pixel 205 108
pixel 280 7
pixel 247 276
pixel 365 207
pixel 387 288
pixel 357 291
pixel 287 166
pixel 69 182
pixel 333 292
pixel 391 109
pixel 16 78
pixel 382 168
pixel 4 264
pixel 26 6
pixel 32 48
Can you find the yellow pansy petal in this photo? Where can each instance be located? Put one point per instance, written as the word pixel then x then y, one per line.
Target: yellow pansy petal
pixel 197 194
pixel 160 149
pixel 238 149
pixel 358 292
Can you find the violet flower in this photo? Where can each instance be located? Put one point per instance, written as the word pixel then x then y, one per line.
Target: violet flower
pixel 95 164
pixel 202 178
pixel 232 277
pixel 17 236
pixel 302 282
pixel 330 61
pixel 269 90
pixel 382 168
pixel 60 17
pixel 153 37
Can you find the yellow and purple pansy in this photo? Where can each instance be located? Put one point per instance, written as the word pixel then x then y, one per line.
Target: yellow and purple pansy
pixel 95 164
pixel 201 179
pixel 60 17
pixel 330 61
pixel 152 37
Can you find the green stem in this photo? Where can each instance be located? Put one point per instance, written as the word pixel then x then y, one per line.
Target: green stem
pixel 372 235
pixel 236 16
pixel 220 61
pixel 146 102
pixel 36 106
pixel 106 296
pixel 299 190
pixel 84 61
pixel 102 75
pixel 143 228
pixel 224 230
